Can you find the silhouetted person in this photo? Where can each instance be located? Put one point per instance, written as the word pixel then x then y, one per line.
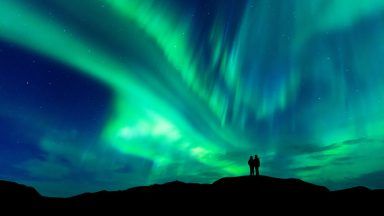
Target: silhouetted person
pixel 256 163
pixel 251 164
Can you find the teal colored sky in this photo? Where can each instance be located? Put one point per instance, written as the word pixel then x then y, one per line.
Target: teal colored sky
pixel 111 94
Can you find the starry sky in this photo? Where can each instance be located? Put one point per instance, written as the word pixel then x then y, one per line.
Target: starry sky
pixel 111 94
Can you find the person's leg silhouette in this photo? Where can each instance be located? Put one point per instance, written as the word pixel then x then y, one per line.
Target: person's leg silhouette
pixel 251 171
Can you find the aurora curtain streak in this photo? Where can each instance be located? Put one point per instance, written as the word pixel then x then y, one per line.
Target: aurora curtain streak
pixel 109 94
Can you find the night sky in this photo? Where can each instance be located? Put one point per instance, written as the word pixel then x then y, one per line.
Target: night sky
pixel 111 94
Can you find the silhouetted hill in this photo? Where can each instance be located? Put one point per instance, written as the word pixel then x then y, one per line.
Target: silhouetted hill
pixel 264 184
pixel 226 192
pixel 17 194
pixel 358 189
pixel 18 190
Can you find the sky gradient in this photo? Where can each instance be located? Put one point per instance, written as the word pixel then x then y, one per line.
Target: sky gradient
pixel 111 94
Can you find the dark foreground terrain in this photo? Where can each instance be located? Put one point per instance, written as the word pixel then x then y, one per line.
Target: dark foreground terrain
pixel 237 192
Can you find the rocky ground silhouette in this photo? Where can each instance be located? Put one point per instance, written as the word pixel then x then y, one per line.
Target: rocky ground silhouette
pixel 231 192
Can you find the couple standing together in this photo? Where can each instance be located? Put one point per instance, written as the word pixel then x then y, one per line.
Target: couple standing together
pixel 254 164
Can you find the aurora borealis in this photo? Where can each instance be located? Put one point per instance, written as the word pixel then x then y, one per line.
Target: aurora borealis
pixel 110 94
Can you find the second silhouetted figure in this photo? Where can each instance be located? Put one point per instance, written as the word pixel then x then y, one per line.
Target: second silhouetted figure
pixel 256 164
